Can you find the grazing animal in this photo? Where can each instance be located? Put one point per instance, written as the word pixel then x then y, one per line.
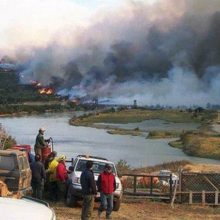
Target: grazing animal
pixel 146 181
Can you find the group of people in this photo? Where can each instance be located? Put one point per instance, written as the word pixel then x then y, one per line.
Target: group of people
pixel 52 175
pixel 106 185
pixel 48 174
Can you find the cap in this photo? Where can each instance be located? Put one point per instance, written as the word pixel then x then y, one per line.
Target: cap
pixel 108 166
pixel 63 157
pixel 42 129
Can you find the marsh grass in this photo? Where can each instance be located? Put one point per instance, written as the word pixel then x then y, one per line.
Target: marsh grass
pixel 138 115
pixel 163 134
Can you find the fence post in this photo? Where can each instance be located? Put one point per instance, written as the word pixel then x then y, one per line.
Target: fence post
pixel 203 197
pixel 190 197
pixel 151 185
pixel 135 184
pixel 216 197
pixel 180 183
pixel 171 184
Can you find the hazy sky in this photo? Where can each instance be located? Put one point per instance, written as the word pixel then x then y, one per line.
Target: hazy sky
pixel 37 22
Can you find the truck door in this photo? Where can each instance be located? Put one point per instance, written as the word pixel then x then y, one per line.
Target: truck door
pixel 25 172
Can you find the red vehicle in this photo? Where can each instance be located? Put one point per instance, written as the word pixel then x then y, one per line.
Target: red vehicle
pixel 26 148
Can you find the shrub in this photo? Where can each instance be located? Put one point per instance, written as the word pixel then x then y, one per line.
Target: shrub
pixel 122 166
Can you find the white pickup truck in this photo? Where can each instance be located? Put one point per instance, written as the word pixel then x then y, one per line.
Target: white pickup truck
pixel 75 189
pixel 25 209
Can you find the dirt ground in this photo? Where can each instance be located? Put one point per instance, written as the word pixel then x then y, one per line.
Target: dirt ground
pixel 149 210
pixel 145 210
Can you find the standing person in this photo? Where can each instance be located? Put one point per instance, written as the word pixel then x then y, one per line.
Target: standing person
pixel 61 177
pixel 48 160
pixel 106 186
pixel 52 178
pixel 38 177
pixel 88 191
pixel 40 142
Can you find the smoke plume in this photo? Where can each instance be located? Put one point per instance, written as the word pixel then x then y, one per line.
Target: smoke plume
pixel 163 53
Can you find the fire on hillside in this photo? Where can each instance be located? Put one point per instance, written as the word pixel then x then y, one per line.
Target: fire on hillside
pixel 46 91
pixel 41 89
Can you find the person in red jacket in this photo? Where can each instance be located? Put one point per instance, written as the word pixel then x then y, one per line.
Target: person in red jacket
pixel 61 174
pixel 106 185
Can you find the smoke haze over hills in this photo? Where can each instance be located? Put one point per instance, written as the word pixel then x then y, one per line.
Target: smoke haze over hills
pixel 167 52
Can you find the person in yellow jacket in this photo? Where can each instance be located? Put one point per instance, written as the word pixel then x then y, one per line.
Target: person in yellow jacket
pixel 52 179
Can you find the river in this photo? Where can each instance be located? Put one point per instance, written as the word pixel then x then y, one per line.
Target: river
pixel 71 140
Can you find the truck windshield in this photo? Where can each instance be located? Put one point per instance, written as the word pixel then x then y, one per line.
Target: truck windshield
pixel 97 167
pixel 7 163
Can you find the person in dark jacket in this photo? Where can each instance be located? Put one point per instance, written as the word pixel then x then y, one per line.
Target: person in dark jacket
pixel 88 191
pixel 106 186
pixel 38 177
pixel 40 142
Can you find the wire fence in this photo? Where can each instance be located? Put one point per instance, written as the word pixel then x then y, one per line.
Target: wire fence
pixel 199 188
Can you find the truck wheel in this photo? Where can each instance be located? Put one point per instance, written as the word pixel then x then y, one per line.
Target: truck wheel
pixel 117 204
pixel 70 199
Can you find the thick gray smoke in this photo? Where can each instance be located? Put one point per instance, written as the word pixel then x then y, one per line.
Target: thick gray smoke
pixel 165 53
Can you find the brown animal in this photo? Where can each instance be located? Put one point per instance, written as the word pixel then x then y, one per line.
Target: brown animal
pixel 126 182
pixel 146 181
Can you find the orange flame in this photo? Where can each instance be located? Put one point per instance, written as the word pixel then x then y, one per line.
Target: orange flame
pixel 46 91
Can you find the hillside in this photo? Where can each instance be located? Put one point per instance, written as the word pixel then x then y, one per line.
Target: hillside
pixel 12 92
pixel 19 99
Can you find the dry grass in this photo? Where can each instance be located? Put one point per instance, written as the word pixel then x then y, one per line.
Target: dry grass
pixel 206 168
pixel 202 145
